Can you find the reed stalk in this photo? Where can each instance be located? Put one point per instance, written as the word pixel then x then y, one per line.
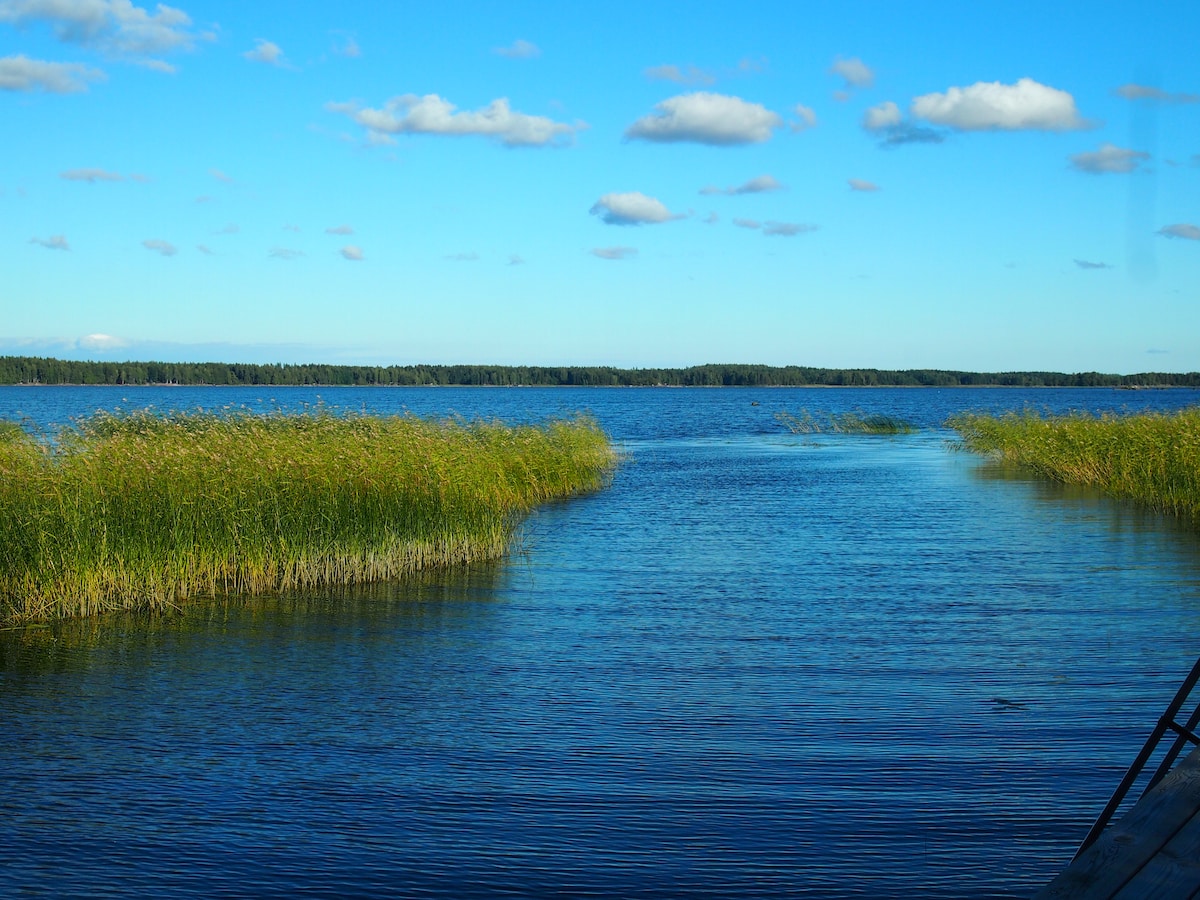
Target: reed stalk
pixel 144 512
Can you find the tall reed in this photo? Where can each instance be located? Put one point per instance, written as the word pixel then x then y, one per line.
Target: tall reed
pixel 144 511
pixel 844 423
pixel 1150 458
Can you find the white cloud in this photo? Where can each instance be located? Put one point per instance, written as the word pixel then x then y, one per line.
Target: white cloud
pixel 164 248
pixel 854 72
pixel 352 253
pixel 885 115
pixel 114 27
pixel 1084 264
pixel 747 223
pixel 633 208
pixel 1143 92
pixel 20 73
pixel 284 253
pixel 1182 230
pixel 349 48
pixel 205 250
pixel 265 52
pixel 469 256
pixel 519 49
pixel 858 184
pixel 805 118
pixel 295 228
pixel 54 242
pixel 686 75
pixel 616 253
pixel 220 176
pixel 787 229
pixel 101 342
pixel 91 176
pixel 430 114
pixel 1108 159
pixel 985 106
pixel 711 219
pixel 340 229
pixel 760 185
pixel 228 229
pixel 706 118
pixel 514 259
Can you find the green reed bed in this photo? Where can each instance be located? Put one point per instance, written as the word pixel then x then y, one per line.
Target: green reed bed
pixel 1150 458
pixel 144 511
pixel 843 423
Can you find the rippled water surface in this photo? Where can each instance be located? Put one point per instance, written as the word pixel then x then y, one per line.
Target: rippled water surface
pixel 760 664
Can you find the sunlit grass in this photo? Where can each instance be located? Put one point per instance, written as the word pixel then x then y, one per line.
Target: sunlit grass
pixel 843 423
pixel 145 511
pixel 1150 458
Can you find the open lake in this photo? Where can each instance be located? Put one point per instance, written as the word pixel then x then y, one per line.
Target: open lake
pixel 760 664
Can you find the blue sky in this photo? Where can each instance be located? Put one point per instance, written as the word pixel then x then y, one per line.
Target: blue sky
pixel 935 185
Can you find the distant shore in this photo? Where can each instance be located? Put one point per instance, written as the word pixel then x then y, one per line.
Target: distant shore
pixel 31 371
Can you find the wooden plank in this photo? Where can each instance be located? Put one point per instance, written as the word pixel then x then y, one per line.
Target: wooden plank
pixel 1127 846
pixel 1173 872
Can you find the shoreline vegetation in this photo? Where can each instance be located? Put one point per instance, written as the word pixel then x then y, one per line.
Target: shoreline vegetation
pixel 143 511
pixel 1152 459
pixel 30 370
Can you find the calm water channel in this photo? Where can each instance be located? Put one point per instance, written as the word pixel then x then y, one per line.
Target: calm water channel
pixel 759 665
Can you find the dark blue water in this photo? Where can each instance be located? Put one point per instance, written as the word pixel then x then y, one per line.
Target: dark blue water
pixel 760 664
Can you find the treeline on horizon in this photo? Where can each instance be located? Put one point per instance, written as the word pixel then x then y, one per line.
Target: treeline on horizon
pixel 44 370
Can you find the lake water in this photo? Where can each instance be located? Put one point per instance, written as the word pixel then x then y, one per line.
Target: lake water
pixel 759 665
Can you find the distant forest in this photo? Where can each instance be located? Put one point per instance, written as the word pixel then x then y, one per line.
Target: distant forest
pixel 37 370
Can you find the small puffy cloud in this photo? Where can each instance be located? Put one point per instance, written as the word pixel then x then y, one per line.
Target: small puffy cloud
pixel 284 253
pixel 349 47
pixel 20 73
pixel 1182 230
pixel 805 118
pixel 888 124
pixel 1158 95
pixel 295 228
pixel 205 250
pixel 140 178
pixel 116 28
pixel 711 219
pixel 706 118
pixel 515 259
pixel 352 253
pixel 340 229
pixel 885 115
pixel 163 248
pixel 469 256
pixel 1108 159
pixel 760 185
pixel 430 114
pixel 204 199
pixel 101 342
pixel 228 229
pixel 1084 264
pixel 747 223
pixel 519 49
pixel 54 242
pixel 854 72
pixel 616 253
pixel 91 176
pixel 633 208
pixel 992 106
pixel 220 176
pixel 787 229
pixel 685 75
pixel 858 184
pixel 265 52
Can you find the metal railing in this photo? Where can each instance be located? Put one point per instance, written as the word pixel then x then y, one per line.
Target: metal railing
pixel 1186 733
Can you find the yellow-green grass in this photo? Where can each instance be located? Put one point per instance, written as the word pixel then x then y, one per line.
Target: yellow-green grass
pixel 145 511
pixel 1152 459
